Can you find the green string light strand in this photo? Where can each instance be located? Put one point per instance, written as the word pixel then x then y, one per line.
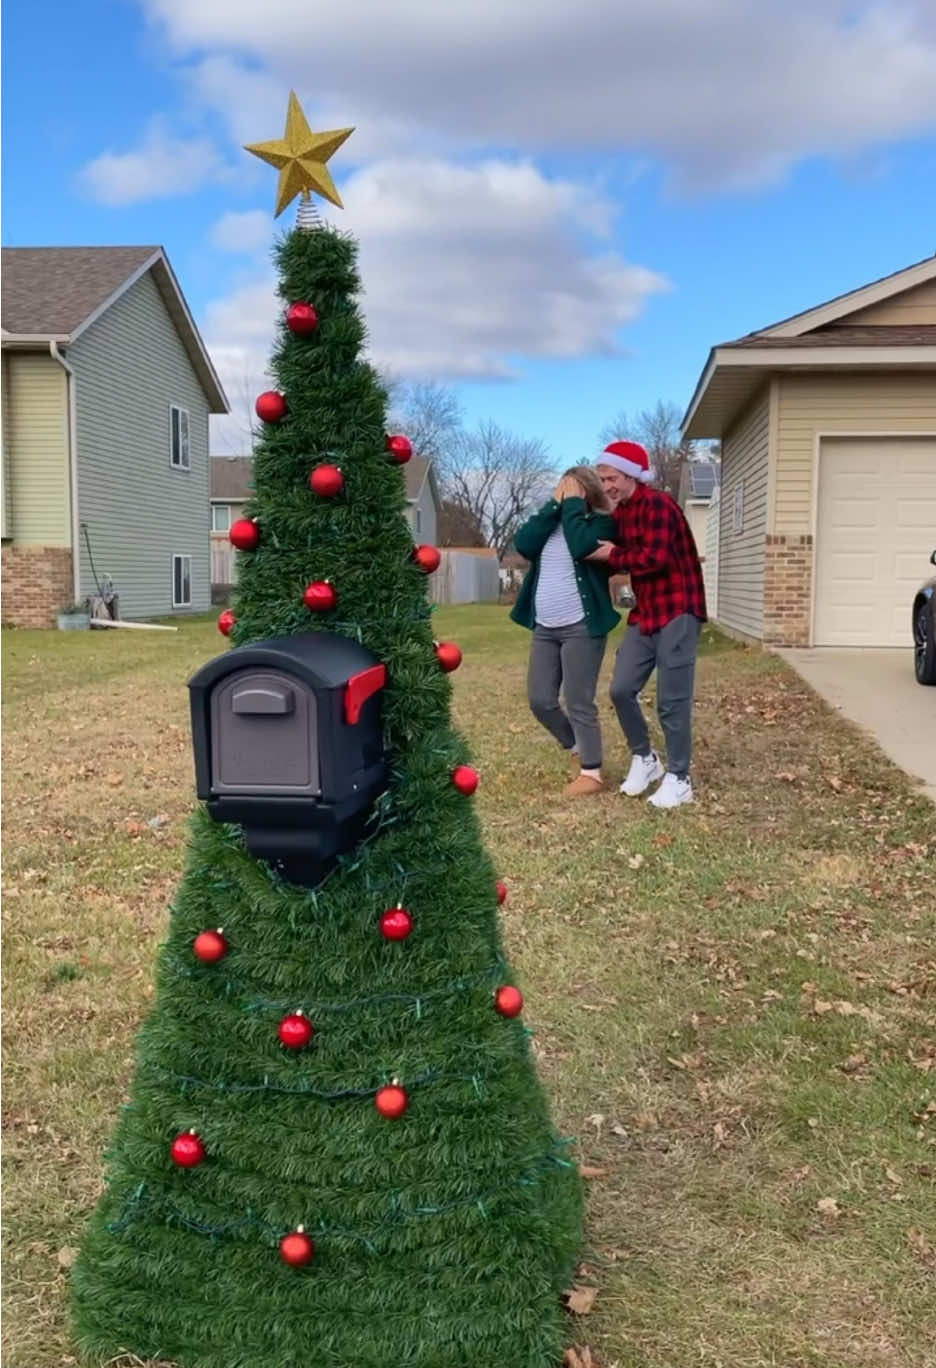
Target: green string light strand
pixel 231 988
pixel 145 1199
pixel 186 1081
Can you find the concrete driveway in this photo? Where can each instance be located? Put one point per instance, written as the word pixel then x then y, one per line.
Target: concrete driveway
pixel 877 691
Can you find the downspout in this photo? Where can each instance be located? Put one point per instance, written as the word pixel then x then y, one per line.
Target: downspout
pixel 72 467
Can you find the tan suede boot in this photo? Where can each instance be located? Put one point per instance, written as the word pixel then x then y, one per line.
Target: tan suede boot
pixel 583 786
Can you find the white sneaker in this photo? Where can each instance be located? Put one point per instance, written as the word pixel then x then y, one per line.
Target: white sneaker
pixel 644 771
pixel 672 793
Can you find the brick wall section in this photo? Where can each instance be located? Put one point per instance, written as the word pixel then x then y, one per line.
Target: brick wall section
pixel 37 583
pixel 787 590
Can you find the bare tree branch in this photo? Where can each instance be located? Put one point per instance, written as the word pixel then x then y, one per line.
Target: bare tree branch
pixel 498 478
pixel 428 413
pixel 657 429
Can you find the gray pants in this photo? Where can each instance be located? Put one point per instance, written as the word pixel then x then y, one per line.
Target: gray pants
pixel 570 659
pixel 673 653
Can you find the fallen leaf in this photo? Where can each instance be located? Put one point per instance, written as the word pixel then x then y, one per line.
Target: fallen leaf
pixel 921 1246
pixel 854 1062
pixel 578 1358
pixel 892 1176
pixel 580 1300
pixel 67 1256
pixel 813 1122
pixel 115 780
pixel 596 1120
pixel 636 861
pixel 786 776
pixel 590 1171
pixel 619 1130
pixel 834 783
pixel 828 1206
pixel 646 1121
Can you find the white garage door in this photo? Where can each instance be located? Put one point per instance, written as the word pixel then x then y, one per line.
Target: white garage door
pixel 875 532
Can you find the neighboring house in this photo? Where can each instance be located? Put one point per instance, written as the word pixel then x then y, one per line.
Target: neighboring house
pixel 698 481
pixel 423 500
pixel 827 509
pixel 107 388
pixel 710 552
pixel 231 487
pixel 698 484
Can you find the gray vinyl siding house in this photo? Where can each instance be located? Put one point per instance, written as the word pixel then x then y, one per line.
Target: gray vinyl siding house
pixel 132 369
pixel 423 500
pixel 109 390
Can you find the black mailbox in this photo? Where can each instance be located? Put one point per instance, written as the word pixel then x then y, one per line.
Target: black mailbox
pixel 288 743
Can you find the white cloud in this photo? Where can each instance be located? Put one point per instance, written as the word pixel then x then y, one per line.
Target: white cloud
pixel 246 233
pixel 727 92
pixel 464 269
pixel 161 166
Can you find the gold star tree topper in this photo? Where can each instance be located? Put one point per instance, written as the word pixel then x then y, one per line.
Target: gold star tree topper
pixel 300 156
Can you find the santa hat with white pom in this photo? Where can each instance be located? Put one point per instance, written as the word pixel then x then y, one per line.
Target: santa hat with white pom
pixel 629 457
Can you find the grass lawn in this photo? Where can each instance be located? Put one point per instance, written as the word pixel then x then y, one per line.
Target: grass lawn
pixel 734 1004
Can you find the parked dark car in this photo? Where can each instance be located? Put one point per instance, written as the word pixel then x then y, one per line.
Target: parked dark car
pixel 924 630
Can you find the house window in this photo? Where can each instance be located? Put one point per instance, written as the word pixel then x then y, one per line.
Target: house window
pixel 738 507
pixel 181 581
pixel 179 457
pixel 220 517
pixel 418 520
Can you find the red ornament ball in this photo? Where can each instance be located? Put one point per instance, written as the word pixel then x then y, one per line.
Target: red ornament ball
pixel 400 448
pixel 244 534
pixel 295 1031
pixel 392 1102
pixel 302 317
pixel 226 621
pixel 508 1001
pixel 396 924
pixel 327 481
pixel 466 779
pixel 428 558
pixel 501 892
pixel 187 1150
pixel 448 655
pixel 210 946
pixel 319 597
pixel 297 1249
pixel 272 406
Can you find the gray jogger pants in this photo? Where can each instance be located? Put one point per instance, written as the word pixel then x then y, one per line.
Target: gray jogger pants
pixel 672 652
pixel 570 659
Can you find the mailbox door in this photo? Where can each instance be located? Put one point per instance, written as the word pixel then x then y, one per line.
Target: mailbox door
pixel 264 735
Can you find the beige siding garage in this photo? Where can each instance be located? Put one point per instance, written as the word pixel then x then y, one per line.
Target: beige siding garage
pixel 888 402
pixel 875 530
pixel 743 520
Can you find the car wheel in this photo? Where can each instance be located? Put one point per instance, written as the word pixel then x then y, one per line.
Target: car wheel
pixel 924 644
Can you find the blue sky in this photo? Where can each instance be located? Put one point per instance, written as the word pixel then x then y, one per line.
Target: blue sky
pixel 559 208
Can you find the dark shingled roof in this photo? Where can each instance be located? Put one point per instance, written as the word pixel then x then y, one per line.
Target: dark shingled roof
pixel 52 290
pixel 843 335
pixel 230 478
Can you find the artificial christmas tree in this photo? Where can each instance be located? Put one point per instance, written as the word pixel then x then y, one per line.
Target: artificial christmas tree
pixel 336 1151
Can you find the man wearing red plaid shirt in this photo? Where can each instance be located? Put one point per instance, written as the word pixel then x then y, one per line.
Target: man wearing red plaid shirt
pixel 655 546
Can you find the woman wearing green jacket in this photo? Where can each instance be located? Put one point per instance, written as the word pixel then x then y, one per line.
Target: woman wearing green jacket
pixel 565 601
